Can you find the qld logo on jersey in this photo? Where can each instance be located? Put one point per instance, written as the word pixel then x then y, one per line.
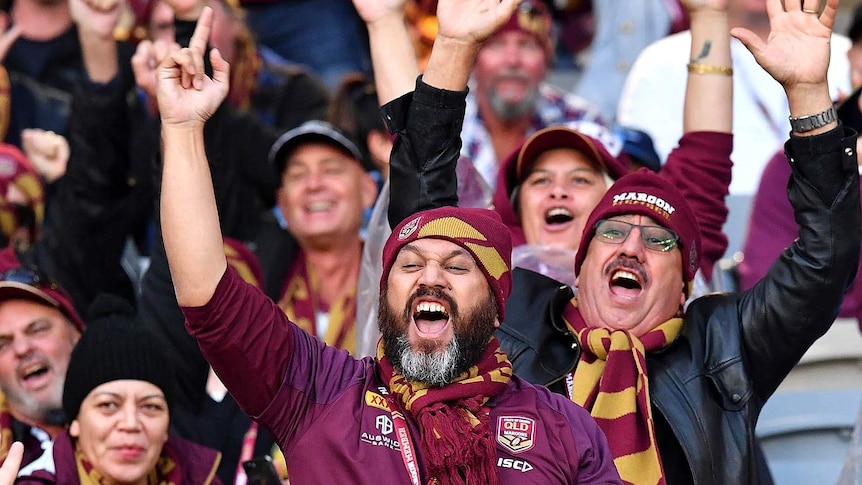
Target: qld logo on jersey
pixel 516 433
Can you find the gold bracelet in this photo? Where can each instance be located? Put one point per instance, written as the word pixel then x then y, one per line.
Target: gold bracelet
pixel 709 69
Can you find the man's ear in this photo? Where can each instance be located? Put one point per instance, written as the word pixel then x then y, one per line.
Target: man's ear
pixel 369 190
pixel 379 147
pixel 75 429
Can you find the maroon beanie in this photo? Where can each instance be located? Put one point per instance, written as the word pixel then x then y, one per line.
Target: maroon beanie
pixel 479 231
pixel 648 194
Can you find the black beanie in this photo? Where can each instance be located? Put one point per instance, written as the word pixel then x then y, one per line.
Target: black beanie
pixel 114 347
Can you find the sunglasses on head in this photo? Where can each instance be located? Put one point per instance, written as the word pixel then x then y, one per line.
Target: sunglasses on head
pixel 656 238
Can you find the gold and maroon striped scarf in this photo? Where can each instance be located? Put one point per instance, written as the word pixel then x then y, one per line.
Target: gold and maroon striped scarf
pixel 453 420
pixel 301 302
pixel 611 383
pixel 6 437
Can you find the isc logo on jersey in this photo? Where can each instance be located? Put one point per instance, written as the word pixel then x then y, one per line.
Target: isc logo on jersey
pixel 521 465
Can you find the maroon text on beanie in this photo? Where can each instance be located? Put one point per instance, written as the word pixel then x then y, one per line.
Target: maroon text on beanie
pixel 646 193
pixel 479 231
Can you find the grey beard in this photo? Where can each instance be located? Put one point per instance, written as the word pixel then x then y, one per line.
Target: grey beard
pixel 51 413
pixel 433 368
pixel 511 111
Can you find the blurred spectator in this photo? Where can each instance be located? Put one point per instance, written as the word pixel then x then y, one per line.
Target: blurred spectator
pixel 600 40
pixel 325 36
pixel 38 329
pixel 355 110
pixel 280 94
pixel 509 98
pixel 324 190
pixel 44 64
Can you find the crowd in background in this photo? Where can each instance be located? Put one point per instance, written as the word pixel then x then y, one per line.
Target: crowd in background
pixel 299 156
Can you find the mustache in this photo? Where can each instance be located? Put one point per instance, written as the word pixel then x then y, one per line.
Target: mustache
pixel 512 74
pixel 630 264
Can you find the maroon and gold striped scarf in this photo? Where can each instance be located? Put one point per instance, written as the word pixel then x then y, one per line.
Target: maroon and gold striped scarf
pixel 453 420
pixel 301 302
pixel 611 383
pixel 6 437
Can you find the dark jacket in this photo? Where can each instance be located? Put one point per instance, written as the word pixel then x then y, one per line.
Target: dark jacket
pixel 99 201
pixel 709 386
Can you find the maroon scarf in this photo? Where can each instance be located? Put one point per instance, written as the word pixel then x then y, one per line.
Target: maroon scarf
pixel 453 420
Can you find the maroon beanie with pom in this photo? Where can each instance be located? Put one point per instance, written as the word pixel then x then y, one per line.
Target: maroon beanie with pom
pixel 479 231
pixel 648 194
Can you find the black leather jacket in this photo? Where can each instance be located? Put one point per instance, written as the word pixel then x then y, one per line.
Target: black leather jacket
pixel 710 385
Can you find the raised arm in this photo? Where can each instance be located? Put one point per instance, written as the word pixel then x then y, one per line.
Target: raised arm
pixel 190 224
pixel 709 86
pixel 428 122
pixel 796 54
pixel 700 166
pixel 798 299
pixel 392 55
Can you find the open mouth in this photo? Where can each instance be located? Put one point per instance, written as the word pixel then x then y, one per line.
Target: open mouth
pixel 626 284
pixel 32 372
pixel 431 318
pixel 558 215
pixel 626 280
pixel 321 206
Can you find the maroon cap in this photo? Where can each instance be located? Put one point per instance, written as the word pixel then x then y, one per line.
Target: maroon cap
pixel 25 284
pixel 562 137
pixel 479 231
pixel 532 17
pixel 648 194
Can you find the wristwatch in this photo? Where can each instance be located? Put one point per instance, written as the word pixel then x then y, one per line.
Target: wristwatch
pixel 812 122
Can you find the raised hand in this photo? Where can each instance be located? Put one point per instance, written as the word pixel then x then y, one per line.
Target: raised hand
pixel 472 21
pixel 186 95
pixel 796 53
pixel 48 151
pixel 8 35
pixel 9 470
pixel 373 10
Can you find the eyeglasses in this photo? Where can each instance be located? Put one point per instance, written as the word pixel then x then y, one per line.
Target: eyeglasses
pixel 26 277
pixel 656 238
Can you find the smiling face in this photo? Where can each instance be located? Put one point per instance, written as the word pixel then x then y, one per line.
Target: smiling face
pixel 509 68
pixel 557 197
pixel 36 342
pixel 434 321
pixel 627 286
pixel 121 429
pixel 323 194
